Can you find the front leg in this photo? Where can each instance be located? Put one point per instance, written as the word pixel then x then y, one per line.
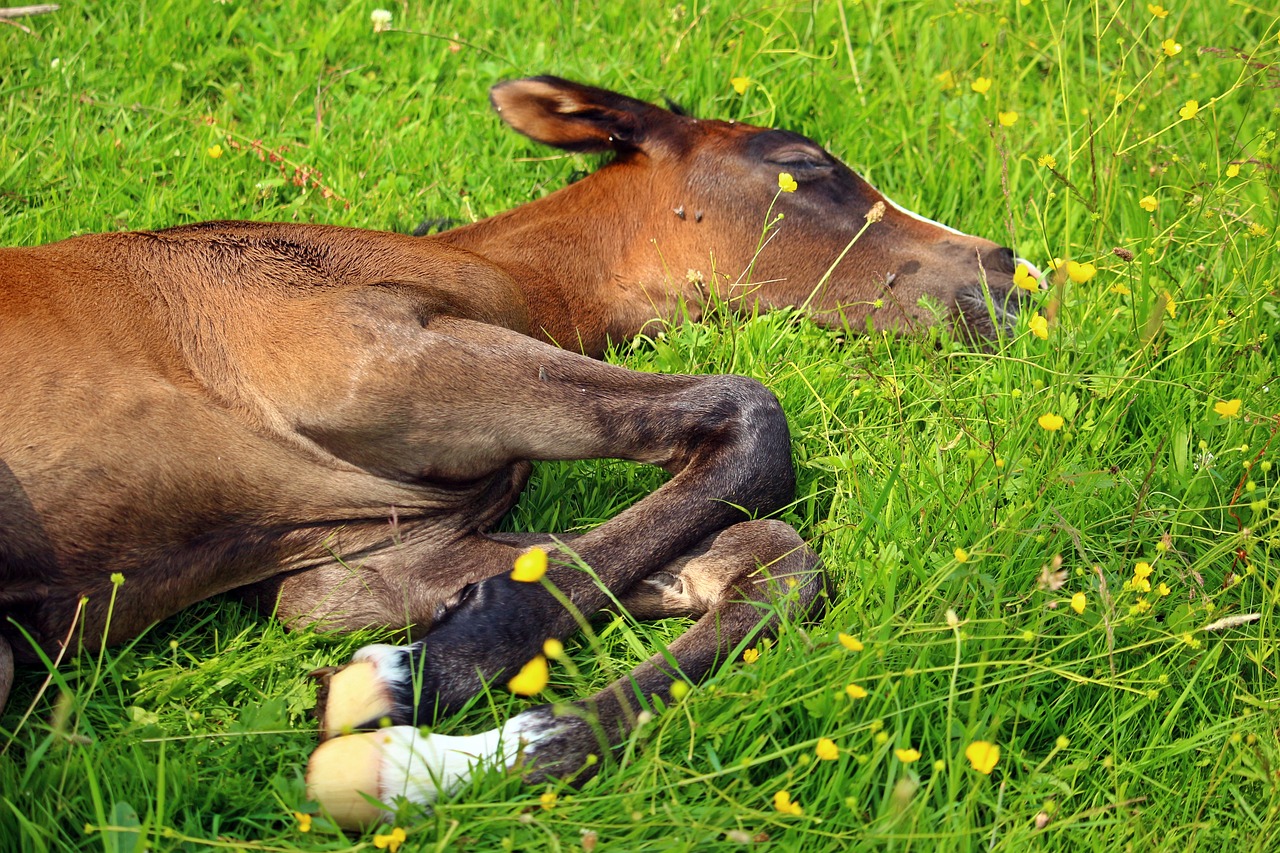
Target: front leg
pixel 737 582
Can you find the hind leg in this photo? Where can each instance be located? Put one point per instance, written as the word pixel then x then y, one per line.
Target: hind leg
pixel 735 582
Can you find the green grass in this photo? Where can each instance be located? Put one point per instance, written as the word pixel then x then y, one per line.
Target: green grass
pixel 1126 728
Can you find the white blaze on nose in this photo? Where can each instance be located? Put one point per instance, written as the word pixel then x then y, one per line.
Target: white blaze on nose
pixel 919 218
pixel 1035 271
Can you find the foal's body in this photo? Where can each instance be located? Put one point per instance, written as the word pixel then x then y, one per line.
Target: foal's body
pixel 337 418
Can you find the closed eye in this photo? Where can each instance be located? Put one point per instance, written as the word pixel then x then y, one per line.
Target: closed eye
pixel 798 159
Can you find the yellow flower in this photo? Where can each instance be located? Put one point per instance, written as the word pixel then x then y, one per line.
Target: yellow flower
pixel 547 799
pixel 981 85
pixel 304 821
pixel 849 642
pixel 214 151
pixel 961 555
pixel 1233 170
pixel 1189 111
pixel 1171 47
pixel 1078 602
pixel 531 678
pixel 740 84
pixel 1080 273
pixel 1049 422
pixel 1039 326
pixel 907 756
pixel 553 648
pixel 391 841
pixel 983 756
pixel 1170 307
pixel 1163 589
pixel 1157 10
pixel 1023 278
pixel 1148 203
pixel 1228 408
pixel 751 655
pixel 530 566
pixel 1122 289
pixel 1257 229
pixel 786 183
pixel 827 749
pixel 1008 119
pixel 1141 584
pixel 946 80
pixel 782 802
pixel 855 691
pixel 1048 161
pixel 1142 570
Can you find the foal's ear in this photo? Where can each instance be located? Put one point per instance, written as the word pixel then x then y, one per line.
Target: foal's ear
pixel 569 115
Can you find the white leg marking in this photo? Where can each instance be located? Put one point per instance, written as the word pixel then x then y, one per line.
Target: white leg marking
pixel 367 689
pixel 400 761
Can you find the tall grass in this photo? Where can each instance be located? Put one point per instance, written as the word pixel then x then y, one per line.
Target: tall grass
pixel 960 531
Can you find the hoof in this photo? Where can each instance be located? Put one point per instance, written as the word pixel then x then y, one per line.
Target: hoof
pixel 372 691
pixel 355 778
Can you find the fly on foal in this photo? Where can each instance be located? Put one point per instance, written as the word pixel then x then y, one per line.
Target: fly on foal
pixel 336 419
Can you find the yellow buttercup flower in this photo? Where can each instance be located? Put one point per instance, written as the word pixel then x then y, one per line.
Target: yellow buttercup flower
pixel 961 555
pixel 1189 111
pixel 1121 289
pixel 391 841
pixel 1049 422
pixel 1228 408
pixel 1078 602
pixel 531 678
pixel 740 84
pixel 1233 170
pixel 553 648
pixel 827 749
pixel 304 821
pixel 1080 273
pixel 1148 203
pixel 981 85
pixel 1157 10
pixel 1048 161
pixel 1163 589
pixel 530 566
pixel 751 655
pixel 782 802
pixel 1023 278
pixel 1171 47
pixel 547 799
pixel 907 756
pixel 214 151
pixel 786 183
pixel 855 691
pixel 1008 119
pixel 1170 307
pixel 983 756
pixel 1142 570
pixel 851 643
pixel 1039 326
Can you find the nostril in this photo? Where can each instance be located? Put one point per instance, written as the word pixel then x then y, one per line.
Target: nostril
pixel 1001 259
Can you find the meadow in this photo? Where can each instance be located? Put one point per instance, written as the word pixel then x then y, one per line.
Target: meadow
pixel 1056 559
